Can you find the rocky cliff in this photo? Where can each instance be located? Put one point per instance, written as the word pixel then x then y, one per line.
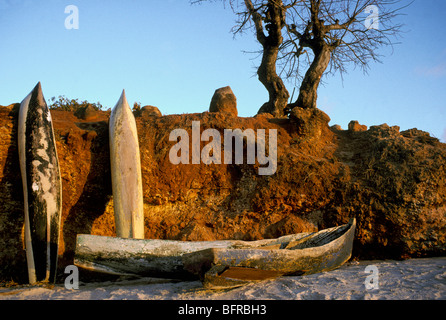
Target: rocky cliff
pixel 393 182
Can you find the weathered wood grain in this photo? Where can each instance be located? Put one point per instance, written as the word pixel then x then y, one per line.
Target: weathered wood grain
pixel 211 260
pixel 126 172
pixel 42 188
pixel 323 251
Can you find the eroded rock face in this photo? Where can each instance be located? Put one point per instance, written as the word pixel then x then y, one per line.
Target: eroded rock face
pixel 398 189
pixel 393 182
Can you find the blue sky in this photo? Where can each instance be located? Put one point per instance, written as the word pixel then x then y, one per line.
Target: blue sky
pixel 173 55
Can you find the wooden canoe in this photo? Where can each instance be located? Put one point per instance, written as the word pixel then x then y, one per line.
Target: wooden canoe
pixel 144 257
pixel 312 253
pixel 126 172
pixel 225 263
pixel 42 188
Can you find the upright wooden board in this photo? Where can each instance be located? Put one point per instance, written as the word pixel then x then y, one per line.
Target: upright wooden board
pixel 126 172
pixel 42 188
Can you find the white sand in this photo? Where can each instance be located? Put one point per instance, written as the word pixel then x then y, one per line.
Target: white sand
pixel 423 279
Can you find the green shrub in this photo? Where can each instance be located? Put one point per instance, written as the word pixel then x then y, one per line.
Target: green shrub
pixel 65 104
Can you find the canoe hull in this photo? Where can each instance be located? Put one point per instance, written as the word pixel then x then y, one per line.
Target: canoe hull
pixel 126 172
pixel 42 188
pixel 154 258
pixel 216 261
pixel 212 264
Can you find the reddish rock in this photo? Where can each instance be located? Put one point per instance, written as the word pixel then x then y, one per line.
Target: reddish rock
pixel 224 100
pixel 393 182
pixel 88 113
pixel 150 111
pixel 310 122
pixel 336 127
pixel 354 126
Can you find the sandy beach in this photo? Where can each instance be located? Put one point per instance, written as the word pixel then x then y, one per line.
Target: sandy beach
pixel 415 279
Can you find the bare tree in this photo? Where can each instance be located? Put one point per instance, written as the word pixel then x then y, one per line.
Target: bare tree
pixel 269 16
pixel 305 37
pixel 334 34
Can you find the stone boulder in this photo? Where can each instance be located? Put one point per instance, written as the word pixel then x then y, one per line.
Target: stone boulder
pixel 224 100
pixel 384 131
pixel 309 122
pixel 150 111
pixel 88 112
pixel 336 127
pixel 354 126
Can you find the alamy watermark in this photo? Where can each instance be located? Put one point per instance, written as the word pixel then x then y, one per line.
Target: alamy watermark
pixel 372 280
pixel 72 280
pixel 72 20
pixel 182 153
pixel 372 20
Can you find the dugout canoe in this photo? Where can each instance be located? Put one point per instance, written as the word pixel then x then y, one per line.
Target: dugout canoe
pixel 125 167
pixel 306 254
pixel 144 257
pixel 42 189
pixel 220 264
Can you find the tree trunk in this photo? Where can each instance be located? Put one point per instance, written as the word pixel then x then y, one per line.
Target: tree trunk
pixel 308 90
pixel 278 94
pixel 274 19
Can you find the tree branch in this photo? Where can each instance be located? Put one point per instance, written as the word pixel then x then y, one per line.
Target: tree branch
pixel 258 21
